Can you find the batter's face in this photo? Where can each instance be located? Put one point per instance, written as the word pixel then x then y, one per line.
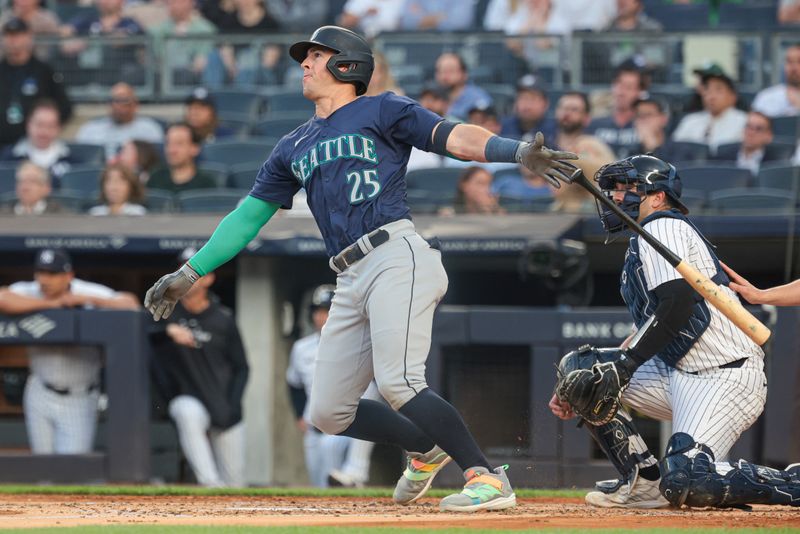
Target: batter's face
pixel 317 79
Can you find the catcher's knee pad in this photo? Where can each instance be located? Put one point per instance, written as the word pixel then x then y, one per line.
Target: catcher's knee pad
pixel 622 443
pixel 689 476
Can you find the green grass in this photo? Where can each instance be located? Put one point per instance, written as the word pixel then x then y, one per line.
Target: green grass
pixel 250 492
pixel 172 529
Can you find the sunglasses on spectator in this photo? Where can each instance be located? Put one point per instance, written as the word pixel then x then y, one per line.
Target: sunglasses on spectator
pixel 756 127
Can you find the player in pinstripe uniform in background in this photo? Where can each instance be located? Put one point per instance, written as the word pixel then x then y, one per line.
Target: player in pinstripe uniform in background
pixel 61 394
pixel 685 363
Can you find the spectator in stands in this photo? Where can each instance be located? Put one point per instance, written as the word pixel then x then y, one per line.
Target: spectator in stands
pixel 474 194
pixel 298 15
pixel 371 17
pixel 61 394
pixel 33 191
pixel 437 15
pixel 530 112
pixel 139 157
pixel 484 115
pixel 451 73
pixel 121 192
pixel 719 122
pixel 40 20
pixel 248 16
pixel 181 174
pixel 34 80
pixel 586 14
pixel 187 59
pixel 755 148
pixel 523 186
pixel 433 98
pixel 202 368
pixel 789 12
pixel 573 116
pixel 382 79
pixel 631 17
pixel 201 115
pixel 652 118
pixel 121 125
pixel 617 130
pixel 108 21
pixel 783 100
pixel 42 145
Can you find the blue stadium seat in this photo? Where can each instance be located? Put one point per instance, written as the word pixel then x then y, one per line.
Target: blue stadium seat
pixel 786 127
pixel 209 200
pixel 782 149
pixel 680 17
pixel 711 178
pixel 233 152
pixel 235 104
pixel 8 178
pixel 694 200
pixel 219 171
pixel 503 97
pixel 279 124
pixel 71 200
pixel 747 199
pixel 422 203
pixel 741 16
pixel 159 200
pixel 287 101
pixel 693 151
pixel 526 205
pixel 85 179
pixel 779 176
pixel 438 183
pixel 86 154
pixel 243 175
pixel 239 126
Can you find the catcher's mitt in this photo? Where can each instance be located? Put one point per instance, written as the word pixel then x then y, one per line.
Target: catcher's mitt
pixel 592 381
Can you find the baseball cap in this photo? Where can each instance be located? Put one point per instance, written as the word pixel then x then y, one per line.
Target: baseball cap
pixel 201 95
pixel 529 82
pixel 323 296
pixel 435 90
pixel 16 25
pixel 713 70
pixel 53 260
pixel 484 106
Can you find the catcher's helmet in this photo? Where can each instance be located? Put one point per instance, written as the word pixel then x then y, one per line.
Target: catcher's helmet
pixel 650 175
pixel 350 49
pixel 322 296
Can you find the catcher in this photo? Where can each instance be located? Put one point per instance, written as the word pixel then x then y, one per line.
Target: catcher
pixel 685 362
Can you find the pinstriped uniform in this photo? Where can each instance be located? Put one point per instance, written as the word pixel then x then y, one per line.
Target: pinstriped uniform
pixel 56 423
pixel 714 405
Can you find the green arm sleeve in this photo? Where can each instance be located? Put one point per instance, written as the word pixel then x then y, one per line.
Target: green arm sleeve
pixel 234 232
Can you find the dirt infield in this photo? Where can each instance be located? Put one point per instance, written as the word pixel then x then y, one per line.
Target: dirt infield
pixel 18 511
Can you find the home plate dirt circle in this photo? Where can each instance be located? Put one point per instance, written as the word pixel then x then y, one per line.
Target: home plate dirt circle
pixel 18 511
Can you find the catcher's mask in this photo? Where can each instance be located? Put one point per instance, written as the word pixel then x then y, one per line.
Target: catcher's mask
pixel 649 174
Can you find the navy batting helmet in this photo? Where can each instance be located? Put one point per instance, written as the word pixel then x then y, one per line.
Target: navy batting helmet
pixel 350 50
pixel 650 175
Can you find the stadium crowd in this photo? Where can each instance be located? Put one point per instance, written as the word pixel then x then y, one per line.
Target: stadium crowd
pixel 210 151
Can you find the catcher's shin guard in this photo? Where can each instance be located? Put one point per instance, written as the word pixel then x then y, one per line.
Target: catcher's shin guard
pixel 623 445
pixel 689 476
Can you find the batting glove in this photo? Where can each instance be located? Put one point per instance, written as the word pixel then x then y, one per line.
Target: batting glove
pixel 545 162
pixel 160 299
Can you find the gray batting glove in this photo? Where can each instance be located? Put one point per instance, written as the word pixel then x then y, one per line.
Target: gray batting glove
pixel 544 162
pixel 160 299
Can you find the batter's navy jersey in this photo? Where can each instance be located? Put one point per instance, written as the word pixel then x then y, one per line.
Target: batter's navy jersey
pixel 352 165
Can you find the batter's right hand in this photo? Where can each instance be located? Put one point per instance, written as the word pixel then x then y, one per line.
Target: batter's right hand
pixel 160 299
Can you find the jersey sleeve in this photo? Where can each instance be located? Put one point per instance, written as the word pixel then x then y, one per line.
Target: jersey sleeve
pixel 675 235
pixel 275 182
pixel 405 120
pixel 293 376
pixel 28 289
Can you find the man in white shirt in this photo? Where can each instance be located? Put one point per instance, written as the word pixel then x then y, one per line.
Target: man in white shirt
pixel 60 400
pixel 783 100
pixel 371 16
pixel 121 125
pixel 719 122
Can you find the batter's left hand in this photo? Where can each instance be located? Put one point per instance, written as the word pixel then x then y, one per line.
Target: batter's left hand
pixel 160 299
pixel 545 162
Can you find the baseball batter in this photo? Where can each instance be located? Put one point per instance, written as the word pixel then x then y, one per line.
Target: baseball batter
pixel 350 158
pixel 60 399
pixel 686 363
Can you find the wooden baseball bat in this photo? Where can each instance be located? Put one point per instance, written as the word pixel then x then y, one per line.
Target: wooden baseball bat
pixel 728 306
